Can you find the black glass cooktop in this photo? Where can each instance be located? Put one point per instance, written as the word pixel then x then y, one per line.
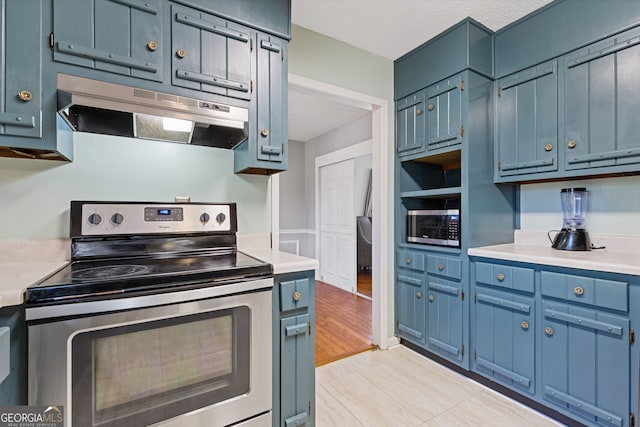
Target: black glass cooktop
pixel 124 276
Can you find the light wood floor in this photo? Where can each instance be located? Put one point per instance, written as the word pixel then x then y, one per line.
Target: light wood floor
pixel 364 283
pixel 343 323
pixel 398 387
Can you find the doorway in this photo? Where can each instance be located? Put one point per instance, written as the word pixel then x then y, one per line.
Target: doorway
pixel 382 251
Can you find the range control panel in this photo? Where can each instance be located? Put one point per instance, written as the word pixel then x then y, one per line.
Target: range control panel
pixel 104 218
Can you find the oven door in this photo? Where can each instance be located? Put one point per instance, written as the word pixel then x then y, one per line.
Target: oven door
pixel 186 363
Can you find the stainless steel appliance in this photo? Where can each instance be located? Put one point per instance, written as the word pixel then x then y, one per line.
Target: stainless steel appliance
pixel 158 320
pixel 574 235
pixel 434 227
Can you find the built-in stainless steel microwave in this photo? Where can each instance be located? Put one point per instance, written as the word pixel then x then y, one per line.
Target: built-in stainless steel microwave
pixel 434 227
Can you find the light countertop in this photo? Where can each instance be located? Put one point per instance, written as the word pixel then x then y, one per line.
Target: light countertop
pixel 283 262
pixel 16 277
pixel 621 255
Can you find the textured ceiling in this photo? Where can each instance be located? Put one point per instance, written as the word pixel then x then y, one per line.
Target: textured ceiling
pixel 389 28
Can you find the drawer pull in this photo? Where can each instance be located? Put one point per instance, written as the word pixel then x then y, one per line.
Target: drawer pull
pixel 25 95
pixel 296 296
pixel 578 290
pixel 180 53
pixel 418 294
pixel 431 298
pixel 430 107
pixel 500 277
pixel 418 112
pixel 152 45
pixel 264 132
pixel 408 260
pixel 548 147
pixel 571 144
pixel 548 330
pixel 524 324
pixel 441 266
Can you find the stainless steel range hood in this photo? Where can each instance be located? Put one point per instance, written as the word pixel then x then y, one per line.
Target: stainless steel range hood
pixel 106 108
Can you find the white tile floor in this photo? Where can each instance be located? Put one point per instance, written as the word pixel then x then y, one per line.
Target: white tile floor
pixel 398 387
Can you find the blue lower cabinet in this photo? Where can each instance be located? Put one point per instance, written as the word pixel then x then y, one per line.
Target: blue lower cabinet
pixel 586 364
pixel 505 338
pixel 445 324
pixel 294 350
pixel 411 306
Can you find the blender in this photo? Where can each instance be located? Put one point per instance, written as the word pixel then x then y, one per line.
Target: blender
pixel 573 236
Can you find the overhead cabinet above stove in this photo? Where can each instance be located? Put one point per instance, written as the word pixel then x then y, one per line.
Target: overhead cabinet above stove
pixel 211 51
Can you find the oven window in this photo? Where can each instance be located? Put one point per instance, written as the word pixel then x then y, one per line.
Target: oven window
pixel 133 374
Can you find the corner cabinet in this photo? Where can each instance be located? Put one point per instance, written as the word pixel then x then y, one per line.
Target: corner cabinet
pixel 562 337
pixel 294 350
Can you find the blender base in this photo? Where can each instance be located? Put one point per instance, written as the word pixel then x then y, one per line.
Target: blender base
pixel 572 240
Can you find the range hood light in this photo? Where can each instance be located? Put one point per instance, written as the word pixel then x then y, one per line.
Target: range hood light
pixel 176 125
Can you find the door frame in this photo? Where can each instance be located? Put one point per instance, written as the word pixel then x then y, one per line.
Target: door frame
pixel 381 199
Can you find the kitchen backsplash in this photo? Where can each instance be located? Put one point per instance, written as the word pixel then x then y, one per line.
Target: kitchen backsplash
pixel 36 194
pixel 613 205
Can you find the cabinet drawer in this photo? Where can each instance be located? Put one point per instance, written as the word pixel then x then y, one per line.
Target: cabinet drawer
pixel 410 259
pixel 502 276
pixel 294 294
pixel 586 290
pixel 444 266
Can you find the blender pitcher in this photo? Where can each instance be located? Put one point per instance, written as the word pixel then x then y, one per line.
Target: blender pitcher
pixel 573 236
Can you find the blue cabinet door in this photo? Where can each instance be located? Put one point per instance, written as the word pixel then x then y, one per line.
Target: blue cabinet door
pixel 444 113
pixel 505 338
pixel 527 111
pixel 271 93
pixel 585 363
pixel 123 37
pixel 601 103
pixel 296 371
pixel 210 54
pixel 411 306
pixel 445 324
pixel 411 122
pixel 21 88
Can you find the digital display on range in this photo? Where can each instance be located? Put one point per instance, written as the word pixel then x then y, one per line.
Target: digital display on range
pixel 163 214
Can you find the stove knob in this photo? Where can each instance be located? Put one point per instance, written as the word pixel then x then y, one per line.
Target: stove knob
pixel 117 218
pixel 94 219
pixel 220 218
pixel 205 217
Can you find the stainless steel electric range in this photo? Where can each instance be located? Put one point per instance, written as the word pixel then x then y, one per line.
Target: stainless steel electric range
pixel 158 320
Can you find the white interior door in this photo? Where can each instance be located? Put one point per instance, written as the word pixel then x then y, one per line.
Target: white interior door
pixel 337 225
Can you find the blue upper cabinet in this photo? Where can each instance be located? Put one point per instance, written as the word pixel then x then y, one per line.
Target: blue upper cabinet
pixel 122 37
pixel 22 65
pixel 601 103
pixel 27 106
pixel 266 150
pixel 444 113
pixel 210 54
pixel 527 125
pixel 566 92
pixel 411 124
pixel 466 45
